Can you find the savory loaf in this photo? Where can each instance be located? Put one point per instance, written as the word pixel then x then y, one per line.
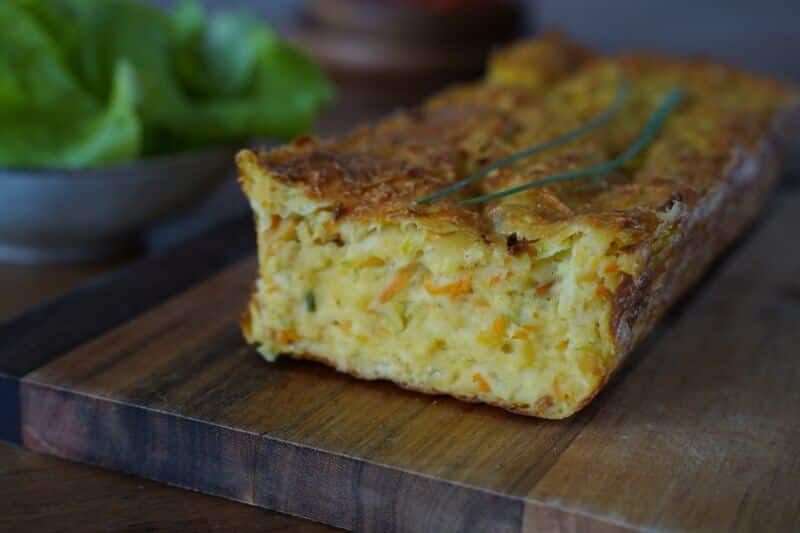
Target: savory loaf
pixel 532 300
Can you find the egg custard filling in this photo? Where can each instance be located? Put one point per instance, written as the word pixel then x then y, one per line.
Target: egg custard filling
pixel 530 301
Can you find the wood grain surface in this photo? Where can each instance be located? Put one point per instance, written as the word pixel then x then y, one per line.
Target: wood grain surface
pixel 42 494
pixel 699 431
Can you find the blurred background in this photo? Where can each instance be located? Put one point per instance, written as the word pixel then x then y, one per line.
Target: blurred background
pixel 760 34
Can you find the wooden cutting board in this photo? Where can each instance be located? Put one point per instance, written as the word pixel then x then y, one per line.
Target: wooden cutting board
pixel 147 373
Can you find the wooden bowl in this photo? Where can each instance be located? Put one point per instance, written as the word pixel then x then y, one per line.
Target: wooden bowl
pixel 400 53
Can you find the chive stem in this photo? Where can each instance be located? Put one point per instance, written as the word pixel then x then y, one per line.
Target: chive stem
pixel 619 100
pixel 650 130
pixel 311 302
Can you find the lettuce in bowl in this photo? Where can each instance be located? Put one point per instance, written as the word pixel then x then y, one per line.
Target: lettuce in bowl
pixel 92 82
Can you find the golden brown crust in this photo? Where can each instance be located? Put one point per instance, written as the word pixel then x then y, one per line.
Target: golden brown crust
pixel 553 56
pixel 380 170
pixel 706 229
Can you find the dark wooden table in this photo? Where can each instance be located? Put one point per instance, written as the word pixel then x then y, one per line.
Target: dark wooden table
pixel 39 493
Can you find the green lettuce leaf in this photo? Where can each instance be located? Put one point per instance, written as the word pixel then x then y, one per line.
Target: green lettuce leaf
pixel 46 118
pixel 216 58
pixel 242 80
pixel 86 82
